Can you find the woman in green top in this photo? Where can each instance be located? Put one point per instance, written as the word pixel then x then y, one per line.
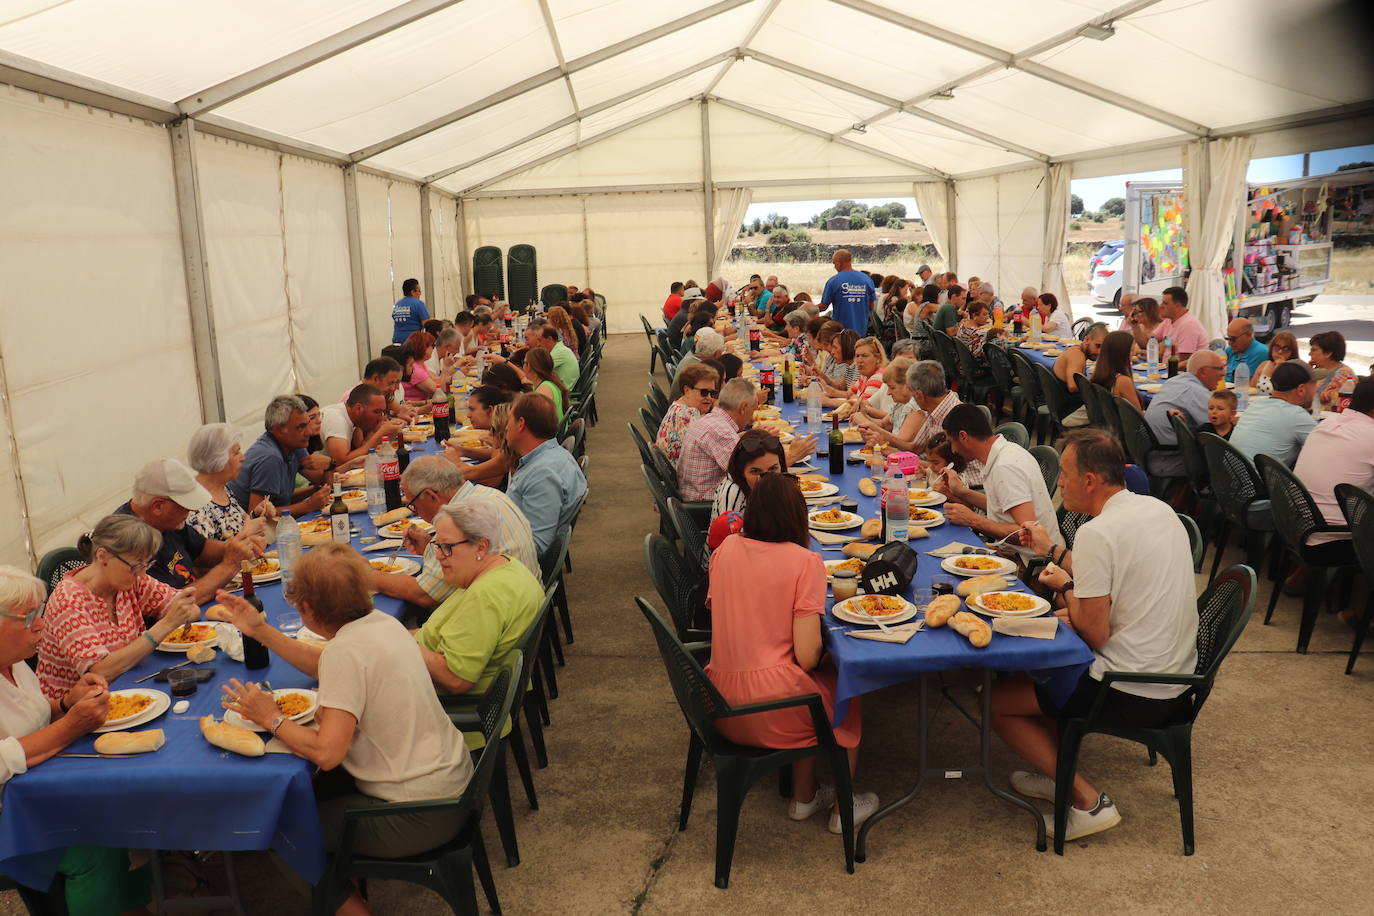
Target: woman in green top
pixel 539 372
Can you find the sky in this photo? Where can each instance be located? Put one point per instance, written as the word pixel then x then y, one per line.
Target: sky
pixel 1096 190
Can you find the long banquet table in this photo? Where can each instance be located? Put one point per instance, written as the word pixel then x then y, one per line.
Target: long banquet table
pixel 189 794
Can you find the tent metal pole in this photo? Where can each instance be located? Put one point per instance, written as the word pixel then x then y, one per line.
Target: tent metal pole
pixel 952 226
pixel 186 175
pixel 464 284
pixel 362 333
pixel 12 443
pixel 427 242
pixel 709 207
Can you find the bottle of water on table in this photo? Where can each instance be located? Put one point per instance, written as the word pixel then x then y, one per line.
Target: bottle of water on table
pixel 898 509
pixel 288 546
pixel 813 407
pixel 1242 380
pixel 372 477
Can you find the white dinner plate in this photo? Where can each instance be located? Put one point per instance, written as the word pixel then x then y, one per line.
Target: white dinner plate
pixel 310 637
pixel 404 565
pixel 168 646
pixel 273 570
pixel 234 718
pixel 929 522
pixel 830 565
pixel 852 520
pixel 975 603
pixel 1004 566
pixel 826 489
pixel 932 497
pixel 161 703
pixel 398 529
pixel 842 610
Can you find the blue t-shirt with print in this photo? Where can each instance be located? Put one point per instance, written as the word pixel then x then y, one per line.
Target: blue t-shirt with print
pixel 409 315
pixel 850 293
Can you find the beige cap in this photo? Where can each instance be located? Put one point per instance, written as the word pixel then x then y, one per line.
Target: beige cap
pixel 172 480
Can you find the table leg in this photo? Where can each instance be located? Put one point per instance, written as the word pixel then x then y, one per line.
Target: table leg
pixel 922 745
pixel 985 759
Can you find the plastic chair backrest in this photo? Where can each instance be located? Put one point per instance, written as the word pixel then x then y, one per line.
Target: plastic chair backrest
pixel 999 364
pixel 1014 432
pixel 1069 523
pixel 693 538
pixel 656 490
pixel 675 582
pixel 698 698
pixel 658 396
pixel 522 274
pixel 1223 610
pixel 1139 439
pixel 640 444
pixel 1357 506
pixel 493 711
pixel 1194 540
pixel 1296 515
pixel 1235 482
pixel 1055 392
pixel 1096 416
pixel 56 563
pixel 1194 465
pixel 968 365
pixel 944 353
pixel 553 294
pixel 1025 371
pixel 1048 459
pixel 487 275
pixel 1080 327
pixel 987 412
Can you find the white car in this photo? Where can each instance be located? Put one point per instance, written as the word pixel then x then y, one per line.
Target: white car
pixel 1105 283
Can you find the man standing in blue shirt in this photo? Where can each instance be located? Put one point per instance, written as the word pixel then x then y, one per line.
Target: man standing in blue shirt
pixel 850 294
pixel 409 313
pixel 1241 347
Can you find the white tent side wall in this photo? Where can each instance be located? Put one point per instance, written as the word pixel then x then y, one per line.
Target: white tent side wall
pixel 553 225
pixel 407 254
pixel 446 298
pixel 95 333
pixel 637 244
pixel 1000 226
pixel 374 220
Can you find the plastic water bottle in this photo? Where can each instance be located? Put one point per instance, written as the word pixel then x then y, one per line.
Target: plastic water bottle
pixel 813 407
pixel 1152 359
pixel 898 510
pixel 741 323
pixel 1242 380
pixel 1035 326
pixel 288 546
pixel 372 475
pixel 1317 403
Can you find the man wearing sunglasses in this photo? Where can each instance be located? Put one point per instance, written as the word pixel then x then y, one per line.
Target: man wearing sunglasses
pixel 1241 347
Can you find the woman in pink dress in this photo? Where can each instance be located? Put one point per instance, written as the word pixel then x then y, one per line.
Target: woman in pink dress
pixel 767 598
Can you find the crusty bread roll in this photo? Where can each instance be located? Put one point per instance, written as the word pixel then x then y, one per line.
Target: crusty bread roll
pixel 231 737
pixel 818 478
pixel 844 410
pixel 940 609
pixel 916 532
pixel 315 538
pixel 979 585
pixel 872 528
pixel 974 627
pixel 217 612
pixel 867 487
pixel 862 551
pixel 130 742
pixel 200 654
pixel 386 518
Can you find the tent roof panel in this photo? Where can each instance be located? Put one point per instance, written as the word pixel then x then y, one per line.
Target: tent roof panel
pixel 522 155
pixel 1012 25
pixel 751 82
pixel 745 148
pixel 416 73
pixel 894 61
pixel 642 104
pixel 934 144
pixel 584 26
pixel 170 48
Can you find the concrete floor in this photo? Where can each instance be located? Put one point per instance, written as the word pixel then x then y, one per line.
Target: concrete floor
pixel 1284 778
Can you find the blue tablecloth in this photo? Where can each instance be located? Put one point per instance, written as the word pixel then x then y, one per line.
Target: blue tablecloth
pixel 864 665
pixel 1138 370
pixel 188 795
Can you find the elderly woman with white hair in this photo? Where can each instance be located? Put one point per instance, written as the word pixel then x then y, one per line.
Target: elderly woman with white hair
pixel 469 638
pixel 216 455
pixel 34 728
pixel 109 615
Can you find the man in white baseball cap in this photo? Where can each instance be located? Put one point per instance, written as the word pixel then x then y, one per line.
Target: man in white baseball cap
pixel 165 492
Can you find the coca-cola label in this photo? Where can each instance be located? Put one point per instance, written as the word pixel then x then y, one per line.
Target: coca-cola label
pixel 440 410
pixel 768 377
pixel 391 470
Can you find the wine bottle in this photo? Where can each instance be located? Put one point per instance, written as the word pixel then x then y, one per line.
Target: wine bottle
pixel 338 517
pixel 254 653
pixel 836 446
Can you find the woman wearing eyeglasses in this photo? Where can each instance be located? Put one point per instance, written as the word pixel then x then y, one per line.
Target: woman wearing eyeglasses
pixel 34 727
pixel 758 453
pixel 700 388
pixel 96 615
pixel 1283 346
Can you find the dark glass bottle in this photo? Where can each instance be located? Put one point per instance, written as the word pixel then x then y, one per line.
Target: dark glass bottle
pixel 255 654
pixel 836 446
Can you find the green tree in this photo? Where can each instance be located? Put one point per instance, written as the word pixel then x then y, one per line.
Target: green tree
pixel 1075 205
pixel 858 220
pixel 1113 206
pixel 757 225
pixel 879 216
pixel 896 210
pixel 1354 165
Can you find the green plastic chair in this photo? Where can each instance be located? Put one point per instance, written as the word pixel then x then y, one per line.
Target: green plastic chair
pixel 487 274
pixel 1048 459
pixel 522 274
pixel 1195 467
pixel 691 534
pixel 1097 415
pixel 1056 397
pixel 56 563
pixel 1195 542
pixel 653 346
pixel 680 586
pixel 1014 432
pixel 1358 508
pixel 1223 611
pixel 553 294
pixel 1004 385
pixel 974 380
pixel 1297 518
pixel 738 766
pixel 1037 414
pixel 1142 445
pixel 446 870
pixel 1242 498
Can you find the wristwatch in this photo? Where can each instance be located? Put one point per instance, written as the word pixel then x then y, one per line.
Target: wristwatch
pixel 276 724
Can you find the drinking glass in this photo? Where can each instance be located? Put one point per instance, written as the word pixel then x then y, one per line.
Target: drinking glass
pixel 182 681
pixel 290 622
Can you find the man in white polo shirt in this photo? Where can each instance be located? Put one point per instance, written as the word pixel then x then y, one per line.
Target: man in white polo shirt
pixel 1127 590
pixel 1014 492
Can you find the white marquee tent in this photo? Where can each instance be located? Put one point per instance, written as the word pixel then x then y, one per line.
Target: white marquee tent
pixel 206 204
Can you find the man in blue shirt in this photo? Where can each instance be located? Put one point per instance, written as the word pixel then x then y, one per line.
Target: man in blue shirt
pixel 1279 425
pixel 547 485
pixel 271 463
pixel 1187 393
pixel 850 294
pixel 409 314
pixel 1241 347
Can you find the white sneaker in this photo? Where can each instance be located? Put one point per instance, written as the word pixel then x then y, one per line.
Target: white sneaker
pixel 865 804
pixel 800 811
pixel 1032 785
pixel 1103 816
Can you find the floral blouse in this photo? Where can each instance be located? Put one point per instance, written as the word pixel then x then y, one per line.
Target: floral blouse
pixel 670 431
pixel 218 522
pixel 973 338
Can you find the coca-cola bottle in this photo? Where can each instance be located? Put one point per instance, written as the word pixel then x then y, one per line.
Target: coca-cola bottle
pixel 391 473
pixel 438 408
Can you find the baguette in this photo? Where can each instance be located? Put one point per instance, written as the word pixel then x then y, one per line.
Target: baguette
pixel 862 551
pixel 974 627
pixel 386 518
pixel 867 487
pixel 130 742
pixel 231 737
pixel 316 538
pixel 979 585
pixel 940 609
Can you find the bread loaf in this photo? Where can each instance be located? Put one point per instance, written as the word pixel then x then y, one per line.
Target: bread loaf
pixel 871 528
pixel 867 487
pixel 130 742
pixel 231 737
pixel 316 538
pixel 974 627
pixel 979 585
pixel 940 610
pixel 856 549
pixel 386 518
pixel 218 612
pixel 200 654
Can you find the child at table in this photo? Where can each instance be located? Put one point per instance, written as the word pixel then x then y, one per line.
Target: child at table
pixel 1221 414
